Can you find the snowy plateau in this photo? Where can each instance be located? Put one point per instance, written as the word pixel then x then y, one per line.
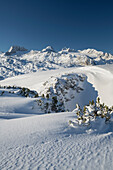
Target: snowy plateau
pixel 39 91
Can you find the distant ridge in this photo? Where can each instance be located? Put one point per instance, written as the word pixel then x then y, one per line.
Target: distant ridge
pixel 18 60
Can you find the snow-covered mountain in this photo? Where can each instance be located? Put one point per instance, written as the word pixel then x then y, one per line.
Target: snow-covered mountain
pixel 18 60
pixel 15 49
pixel 56 82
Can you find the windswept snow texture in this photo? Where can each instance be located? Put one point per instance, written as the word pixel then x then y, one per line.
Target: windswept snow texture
pixel 47 142
pixel 18 60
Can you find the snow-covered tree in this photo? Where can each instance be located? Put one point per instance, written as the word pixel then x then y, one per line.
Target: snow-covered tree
pixel 92 112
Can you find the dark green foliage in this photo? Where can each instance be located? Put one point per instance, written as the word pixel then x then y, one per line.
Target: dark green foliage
pixel 2 93
pixel 98 100
pixel 54 99
pixel 43 96
pixel 91 102
pixel 47 96
pixel 54 104
pixel 23 91
pixel 36 95
pixel 9 87
pixel 84 110
pixel 93 111
pixel 14 87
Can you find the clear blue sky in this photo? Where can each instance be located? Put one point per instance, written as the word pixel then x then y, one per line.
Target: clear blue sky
pixel 35 24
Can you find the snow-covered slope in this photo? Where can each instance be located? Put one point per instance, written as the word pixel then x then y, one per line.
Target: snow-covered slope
pixel 58 90
pixel 48 142
pixel 17 60
pixel 38 140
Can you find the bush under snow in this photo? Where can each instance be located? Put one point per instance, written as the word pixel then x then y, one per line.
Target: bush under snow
pixel 92 114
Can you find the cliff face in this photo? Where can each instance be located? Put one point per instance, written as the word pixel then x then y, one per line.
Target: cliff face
pixel 14 49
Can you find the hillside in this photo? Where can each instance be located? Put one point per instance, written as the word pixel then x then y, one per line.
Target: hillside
pixel 39 91
pixel 69 86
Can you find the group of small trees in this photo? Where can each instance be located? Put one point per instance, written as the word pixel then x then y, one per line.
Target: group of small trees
pixel 23 91
pixel 93 111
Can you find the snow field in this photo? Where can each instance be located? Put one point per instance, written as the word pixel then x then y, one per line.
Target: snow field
pixel 48 142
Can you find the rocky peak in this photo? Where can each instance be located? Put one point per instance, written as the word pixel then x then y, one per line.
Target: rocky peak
pixel 14 49
pixel 48 49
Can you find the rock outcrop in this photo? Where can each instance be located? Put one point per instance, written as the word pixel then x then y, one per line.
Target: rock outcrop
pixel 14 49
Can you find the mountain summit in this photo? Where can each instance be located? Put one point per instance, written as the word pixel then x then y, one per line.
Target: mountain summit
pixel 14 49
pixel 48 49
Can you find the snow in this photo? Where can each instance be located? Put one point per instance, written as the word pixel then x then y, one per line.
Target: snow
pixel 96 82
pixel 48 49
pixel 19 60
pixel 47 142
pixel 30 138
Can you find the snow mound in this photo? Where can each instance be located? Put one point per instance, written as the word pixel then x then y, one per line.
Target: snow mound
pixel 97 126
pixel 55 94
pixel 68 86
pixel 95 117
pixel 49 91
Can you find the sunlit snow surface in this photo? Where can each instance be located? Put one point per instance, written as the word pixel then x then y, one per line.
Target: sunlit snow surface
pixel 30 139
pixel 47 142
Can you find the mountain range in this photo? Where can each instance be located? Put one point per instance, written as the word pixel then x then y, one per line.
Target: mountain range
pixel 18 60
